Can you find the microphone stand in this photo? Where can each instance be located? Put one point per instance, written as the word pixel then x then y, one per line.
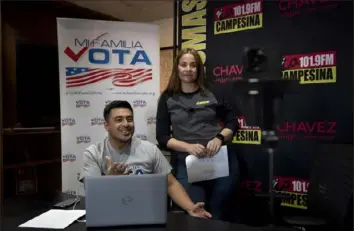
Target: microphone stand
pixel 270 140
pixel 268 92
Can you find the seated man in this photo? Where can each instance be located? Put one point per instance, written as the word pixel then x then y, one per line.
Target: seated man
pixel 121 154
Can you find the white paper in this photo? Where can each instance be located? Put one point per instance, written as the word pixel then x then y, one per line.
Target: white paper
pixel 202 169
pixel 54 219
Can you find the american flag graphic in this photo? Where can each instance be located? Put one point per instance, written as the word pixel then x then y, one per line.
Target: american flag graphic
pixel 121 77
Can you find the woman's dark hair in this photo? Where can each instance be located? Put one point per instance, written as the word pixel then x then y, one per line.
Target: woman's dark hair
pixel 174 83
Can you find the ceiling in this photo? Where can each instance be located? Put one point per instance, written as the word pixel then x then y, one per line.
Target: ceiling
pixel 130 10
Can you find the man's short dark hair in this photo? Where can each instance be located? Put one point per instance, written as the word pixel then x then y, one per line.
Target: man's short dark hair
pixel 116 104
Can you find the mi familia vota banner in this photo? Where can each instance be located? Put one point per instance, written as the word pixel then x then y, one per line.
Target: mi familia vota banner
pixel 101 61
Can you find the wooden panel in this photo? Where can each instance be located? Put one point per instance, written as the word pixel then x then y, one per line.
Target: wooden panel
pixel 9 75
pixel 166 66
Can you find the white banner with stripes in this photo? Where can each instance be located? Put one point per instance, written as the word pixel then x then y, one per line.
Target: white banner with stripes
pixel 101 61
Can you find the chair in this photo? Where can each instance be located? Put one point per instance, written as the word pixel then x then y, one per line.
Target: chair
pixel 330 190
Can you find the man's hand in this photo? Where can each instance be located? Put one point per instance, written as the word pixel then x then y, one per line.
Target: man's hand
pixel 196 149
pixel 198 211
pixel 213 147
pixel 116 168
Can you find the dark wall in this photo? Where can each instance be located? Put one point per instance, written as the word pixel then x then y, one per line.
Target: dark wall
pixel 35 22
pixel 320 113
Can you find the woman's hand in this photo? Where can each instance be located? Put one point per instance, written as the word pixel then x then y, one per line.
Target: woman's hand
pixel 213 147
pixel 196 149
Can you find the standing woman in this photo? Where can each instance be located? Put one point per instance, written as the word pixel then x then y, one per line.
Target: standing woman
pixel 188 122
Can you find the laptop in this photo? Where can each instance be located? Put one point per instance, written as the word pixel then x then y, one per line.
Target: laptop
pixel 126 200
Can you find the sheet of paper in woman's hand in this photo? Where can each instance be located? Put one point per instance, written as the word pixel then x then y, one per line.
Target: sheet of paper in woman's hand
pixel 202 169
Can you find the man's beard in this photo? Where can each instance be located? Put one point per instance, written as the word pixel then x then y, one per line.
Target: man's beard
pixel 131 131
pixel 126 141
pixel 121 140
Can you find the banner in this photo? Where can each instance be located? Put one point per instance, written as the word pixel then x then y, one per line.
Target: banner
pixel 294 188
pixel 316 104
pixel 102 61
pixel 247 134
pixel 238 16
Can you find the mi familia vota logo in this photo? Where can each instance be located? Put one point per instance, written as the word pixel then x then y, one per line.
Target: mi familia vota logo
pixel 68 122
pixel 141 136
pixel 247 134
pixel 139 103
pixel 97 121
pixel 82 103
pixel 292 8
pixel 311 68
pixel 227 73
pixel 94 60
pixel 83 139
pixel 69 157
pixel 245 15
pixel 316 130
